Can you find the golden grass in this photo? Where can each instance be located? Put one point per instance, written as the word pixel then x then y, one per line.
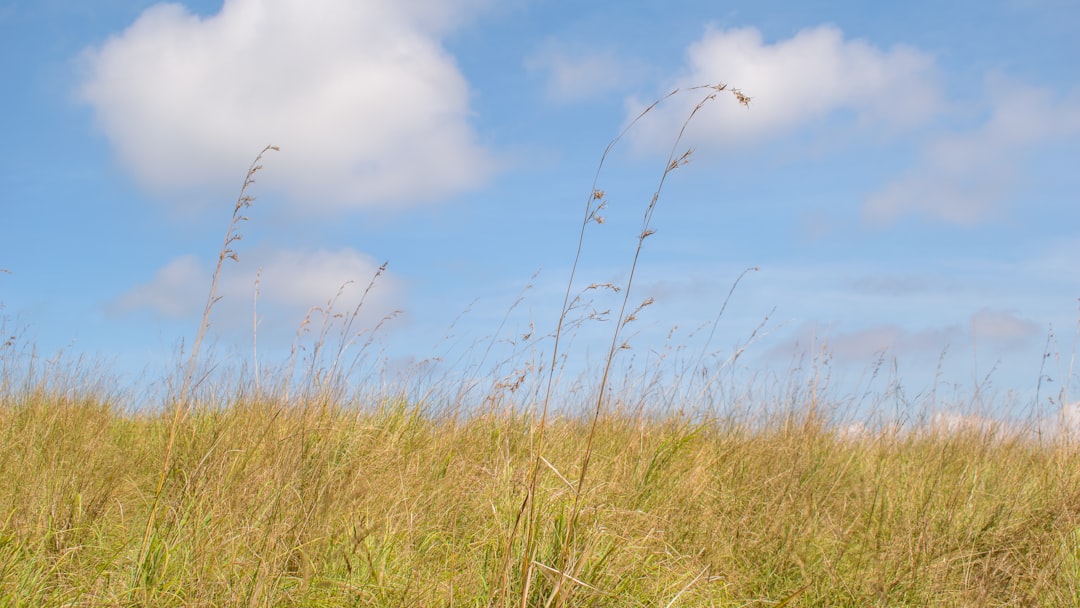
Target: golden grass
pixel 294 491
pixel 388 503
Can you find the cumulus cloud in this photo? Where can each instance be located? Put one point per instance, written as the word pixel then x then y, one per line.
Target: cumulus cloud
pixel 797 81
pixel 366 104
pixel 290 283
pixel 965 178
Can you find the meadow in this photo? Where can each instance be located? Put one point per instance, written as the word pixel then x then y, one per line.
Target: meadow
pixel 297 487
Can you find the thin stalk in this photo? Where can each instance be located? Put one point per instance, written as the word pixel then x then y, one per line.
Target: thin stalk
pixel 183 400
pixel 528 504
pixel 674 162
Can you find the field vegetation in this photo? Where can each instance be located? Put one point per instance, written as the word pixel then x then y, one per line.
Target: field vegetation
pixel 299 487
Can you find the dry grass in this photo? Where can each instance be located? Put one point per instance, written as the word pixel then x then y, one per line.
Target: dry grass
pixel 387 503
pixel 291 490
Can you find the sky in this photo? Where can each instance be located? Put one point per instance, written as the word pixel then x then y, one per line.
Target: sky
pixel 898 198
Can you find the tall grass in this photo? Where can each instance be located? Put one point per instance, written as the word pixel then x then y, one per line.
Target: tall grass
pixel 594 204
pixel 182 400
pixel 292 490
pixel 386 503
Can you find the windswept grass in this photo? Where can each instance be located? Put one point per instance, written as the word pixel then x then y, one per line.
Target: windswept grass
pixel 389 503
pixel 292 489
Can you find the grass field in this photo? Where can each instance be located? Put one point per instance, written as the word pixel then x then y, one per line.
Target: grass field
pixel 290 489
pixel 387 502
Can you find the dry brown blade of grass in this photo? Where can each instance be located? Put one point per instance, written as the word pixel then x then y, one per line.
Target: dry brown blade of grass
pixel 182 401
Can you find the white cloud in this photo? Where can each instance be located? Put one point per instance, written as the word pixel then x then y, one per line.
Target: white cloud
pixel 367 106
pixel 290 283
pixel 795 82
pixel 965 178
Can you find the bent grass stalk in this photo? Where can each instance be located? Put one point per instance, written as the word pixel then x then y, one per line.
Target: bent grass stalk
pixel 595 203
pixel 389 507
pixel 673 163
pixel 183 399
pixel 528 504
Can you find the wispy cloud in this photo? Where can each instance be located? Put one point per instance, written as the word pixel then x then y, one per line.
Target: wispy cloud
pixel 991 329
pixel 290 283
pixel 965 178
pixel 172 293
pixel 1004 328
pixel 879 284
pixel 861 345
pixel 798 81
pixel 366 104
pixel 575 76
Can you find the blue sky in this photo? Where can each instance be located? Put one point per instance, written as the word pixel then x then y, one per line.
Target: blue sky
pixel 904 178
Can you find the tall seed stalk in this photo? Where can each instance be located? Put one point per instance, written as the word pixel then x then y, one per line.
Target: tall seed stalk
pixel 594 204
pixel 184 398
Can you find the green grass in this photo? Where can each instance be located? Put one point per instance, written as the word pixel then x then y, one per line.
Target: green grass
pixel 389 503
